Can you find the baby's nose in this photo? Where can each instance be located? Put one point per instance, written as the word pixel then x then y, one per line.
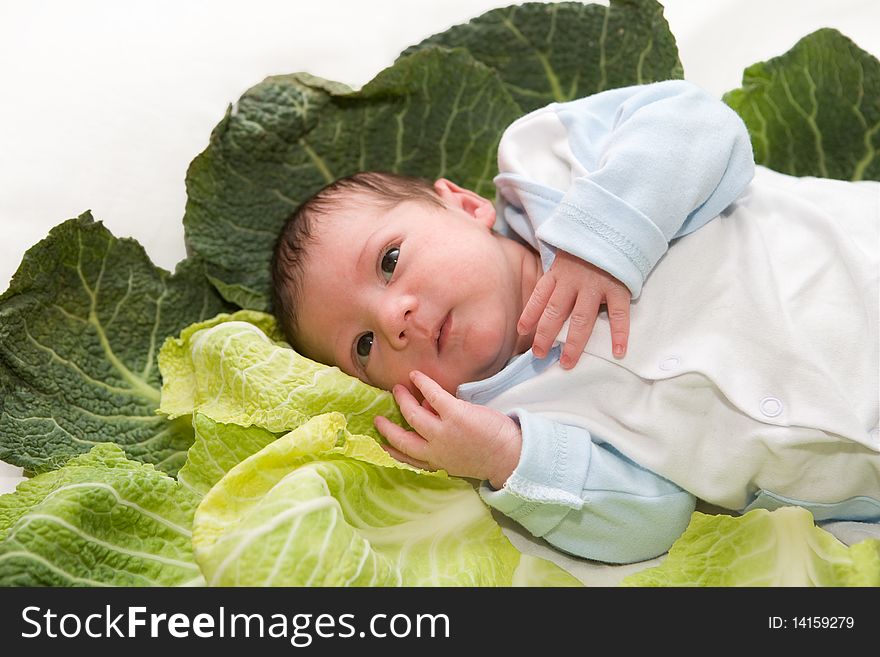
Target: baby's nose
pixel 405 326
pixel 399 320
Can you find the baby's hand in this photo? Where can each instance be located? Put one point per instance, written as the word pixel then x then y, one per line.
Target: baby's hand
pixel 575 288
pixel 464 439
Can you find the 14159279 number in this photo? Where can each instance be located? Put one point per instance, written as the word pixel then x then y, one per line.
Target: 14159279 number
pixel 811 623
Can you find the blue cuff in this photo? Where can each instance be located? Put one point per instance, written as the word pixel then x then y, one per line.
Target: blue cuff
pixel 586 498
pixel 549 480
pixel 628 250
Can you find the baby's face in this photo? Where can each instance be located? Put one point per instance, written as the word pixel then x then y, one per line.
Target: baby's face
pixel 387 291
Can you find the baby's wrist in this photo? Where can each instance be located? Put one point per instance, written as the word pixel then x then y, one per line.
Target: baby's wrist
pixel 508 457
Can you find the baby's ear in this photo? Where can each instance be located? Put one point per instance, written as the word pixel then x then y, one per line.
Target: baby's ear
pixel 481 209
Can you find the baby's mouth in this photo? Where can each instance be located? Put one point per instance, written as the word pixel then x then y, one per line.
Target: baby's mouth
pixel 443 332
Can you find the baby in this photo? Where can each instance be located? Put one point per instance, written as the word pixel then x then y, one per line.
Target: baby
pixel 645 318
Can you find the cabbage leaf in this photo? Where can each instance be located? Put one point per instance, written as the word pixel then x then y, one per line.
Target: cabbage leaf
pixel 323 507
pixel 229 369
pixel 101 520
pixel 783 547
pixel 815 111
pixel 554 52
pixel 80 329
pixel 218 448
pixel 434 113
pixel 402 525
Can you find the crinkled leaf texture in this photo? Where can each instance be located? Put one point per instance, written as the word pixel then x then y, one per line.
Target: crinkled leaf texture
pixel 815 111
pixel 322 507
pixel 80 327
pixel 235 369
pixel 555 52
pixel 101 520
pixel 243 387
pixel 763 548
pixel 218 448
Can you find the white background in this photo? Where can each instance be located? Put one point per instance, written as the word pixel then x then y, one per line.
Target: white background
pixel 106 102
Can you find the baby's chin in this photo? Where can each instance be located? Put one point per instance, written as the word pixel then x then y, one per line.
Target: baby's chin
pixel 489 368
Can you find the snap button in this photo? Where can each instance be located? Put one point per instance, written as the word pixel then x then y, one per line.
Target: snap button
pixel 771 406
pixel 669 363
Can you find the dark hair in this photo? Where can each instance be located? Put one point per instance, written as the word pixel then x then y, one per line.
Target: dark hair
pixel 385 189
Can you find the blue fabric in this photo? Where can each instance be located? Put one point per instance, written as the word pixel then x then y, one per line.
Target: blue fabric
pixel 519 368
pixel 588 499
pixel 859 509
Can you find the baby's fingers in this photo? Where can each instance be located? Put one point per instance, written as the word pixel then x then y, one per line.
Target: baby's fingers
pixel 557 311
pixel 617 301
pixel 580 327
pixel 418 416
pixel 436 398
pixel 405 443
pixel 403 458
pixel 536 304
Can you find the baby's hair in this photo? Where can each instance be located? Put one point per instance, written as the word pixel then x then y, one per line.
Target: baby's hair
pixel 385 190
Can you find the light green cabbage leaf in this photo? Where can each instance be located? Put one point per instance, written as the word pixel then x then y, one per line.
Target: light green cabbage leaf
pixel 244 388
pixel 323 507
pixel 217 449
pixel 101 520
pixel 80 327
pixel 783 547
pixel 815 111
pixel 234 369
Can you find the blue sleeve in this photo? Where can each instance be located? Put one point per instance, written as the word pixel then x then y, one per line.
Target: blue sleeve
pixel 587 499
pixel 647 164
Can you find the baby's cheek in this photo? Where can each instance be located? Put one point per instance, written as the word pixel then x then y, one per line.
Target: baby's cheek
pixel 449 376
pixel 489 349
pixel 392 374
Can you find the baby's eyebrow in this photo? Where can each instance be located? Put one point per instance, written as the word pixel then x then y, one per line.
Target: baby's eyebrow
pixel 365 249
pixel 358 265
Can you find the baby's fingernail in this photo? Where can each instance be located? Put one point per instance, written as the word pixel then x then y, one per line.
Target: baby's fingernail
pixel 618 350
pixel 565 361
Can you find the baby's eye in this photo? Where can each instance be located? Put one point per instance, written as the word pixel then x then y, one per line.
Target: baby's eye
pixel 362 348
pixel 389 262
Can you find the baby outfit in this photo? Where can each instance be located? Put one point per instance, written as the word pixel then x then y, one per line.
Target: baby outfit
pixel 752 372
